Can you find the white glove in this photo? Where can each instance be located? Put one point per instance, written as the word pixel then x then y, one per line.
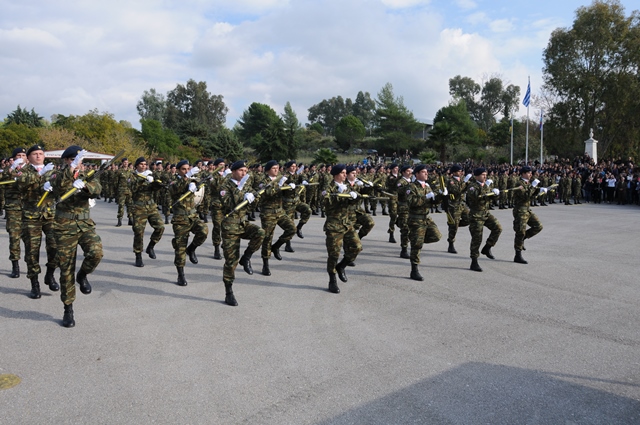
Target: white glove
pixel 368 185
pixel 445 192
pixel 78 159
pixel 467 177
pixel 16 163
pixel 226 172
pixel 304 182
pixel 342 187
pixel 282 180
pixel 430 195
pixel 46 168
pixel 543 190
pixel 535 183
pixel 292 185
pixel 47 187
pixel 192 187
pixel 193 171
pixel 496 192
pixel 150 179
pixel 249 197
pixel 359 183
pixel 92 202
pixel 354 195
pixel 489 182
pixel 147 173
pixel 78 184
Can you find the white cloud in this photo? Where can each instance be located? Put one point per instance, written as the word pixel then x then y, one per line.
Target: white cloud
pixel 466 4
pixel 501 25
pixel 400 4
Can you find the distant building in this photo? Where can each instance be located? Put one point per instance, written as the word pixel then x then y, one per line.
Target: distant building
pixel 424 132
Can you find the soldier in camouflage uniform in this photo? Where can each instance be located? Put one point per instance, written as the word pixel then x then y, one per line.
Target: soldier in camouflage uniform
pixel 143 187
pixel 124 192
pixel 457 209
pixel 565 184
pixel 522 214
pixel 312 176
pixel 503 180
pixel 392 187
pixel 363 222
pixel 33 182
pixel 422 229
pixel 272 214
pixel 511 183
pixel 13 208
pixel 216 205
pixel 185 219
pixel 73 226
pixel 402 186
pixel 339 228
pixel 235 226
pixel 291 200
pixel 478 198
pixel 576 188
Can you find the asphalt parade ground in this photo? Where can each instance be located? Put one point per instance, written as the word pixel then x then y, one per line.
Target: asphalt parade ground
pixel 556 341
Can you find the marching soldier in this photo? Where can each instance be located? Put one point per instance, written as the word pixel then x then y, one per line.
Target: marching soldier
pixel 522 214
pixel 185 219
pixel 406 171
pixel 13 208
pixel 479 197
pixel 143 188
pixel 291 200
pixel 124 192
pixel 392 182
pixel 73 227
pixel 235 226
pixel 458 211
pixel 216 206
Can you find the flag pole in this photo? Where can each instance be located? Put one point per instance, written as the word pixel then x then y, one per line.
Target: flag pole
pixel 526 153
pixel 511 162
pixel 541 134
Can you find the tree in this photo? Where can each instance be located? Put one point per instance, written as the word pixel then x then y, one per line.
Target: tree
pixel 24 117
pixel 394 123
pixel 152 106
pixel 224 144
pixel 364 109
pixel 329 112
pixel 348 131
pixel 161 140
pixel 292 129
pixel 324 156
pixel 15 135
pixel 317 127
pixel 261 128
pixel 452 125
pixel 591 69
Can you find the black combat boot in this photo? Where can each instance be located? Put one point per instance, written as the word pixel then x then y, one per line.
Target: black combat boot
pixel 130 222
pixel 35 288
pixel 299 231
pixel 182 281
pixel 191 252
pixel 295 215
pixel 216 252
pixel 67 319
pixel 373 212
pixel 205 218
pixel 340 268
pixel 245 262
pixel 110 200
pixel 475 266
pixel 50 280
pixel 250 218
pixel 415 274
pixel 119 222
pixel 275 249
pixel 384 211
pixel 392 238
pixel 15 269
pixel 452 249
pixel 105 199
pixel 314 211
pixel 230 299
pixel 81 278
pixel 323 216
pixel 518 258
pixel 487 251
pixel 288 247
pixel 265 267
pixel 139 262
pixel 166 219
pixel 150 251
pixel 404 253
pixel 333 284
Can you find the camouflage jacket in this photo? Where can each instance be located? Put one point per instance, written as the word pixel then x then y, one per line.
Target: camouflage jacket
pixel 31 185
pixel 76 205
pixel 477 196
pixel 522 197
pixel 231 196
pixel 417 198
pixel 178 188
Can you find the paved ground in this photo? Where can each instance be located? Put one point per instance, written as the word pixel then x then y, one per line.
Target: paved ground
pixel 556 341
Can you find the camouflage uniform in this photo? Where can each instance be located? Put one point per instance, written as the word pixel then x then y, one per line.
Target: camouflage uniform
pixel 523 216
pixel 392 187
pixel 456 207
pixel 13 212
pixel 402 221
pixel 272 214
pixel 145 209
pixel 185 220
pixel 291 200
pixel 124 193
pixel 73 226
pixel 216 208
pixel 362 222
pixel 422 229
pixel 479 216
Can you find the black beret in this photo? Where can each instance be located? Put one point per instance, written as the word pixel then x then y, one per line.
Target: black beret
pixel 238 164
pixel 139 160
pixel 525 169
pixel 419 168
pixel 34 148
pixel 71 152
pixel 16 151
pixel 218 161
pixel 405 168
pixel 181 163
pixel 337 169
pixel 289 164
pixel 455 168
pixel 270 164
pixel 392 166
pixel 124 159
pixel 479 171
pixel 350 169
pixel 198 161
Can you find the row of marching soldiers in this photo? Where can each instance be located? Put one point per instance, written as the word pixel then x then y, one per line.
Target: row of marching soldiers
pixel 338 190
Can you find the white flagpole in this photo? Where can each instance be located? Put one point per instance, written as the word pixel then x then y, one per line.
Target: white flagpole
pixel 526 153
pixel 541 134
pixel 511 162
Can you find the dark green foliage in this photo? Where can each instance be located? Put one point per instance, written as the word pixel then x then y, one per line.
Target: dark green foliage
pixel 24 117
pixel 348 131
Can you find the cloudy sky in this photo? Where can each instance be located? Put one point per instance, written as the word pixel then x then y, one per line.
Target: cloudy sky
pixel 69 57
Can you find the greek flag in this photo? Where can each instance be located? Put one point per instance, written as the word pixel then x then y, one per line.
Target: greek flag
pixel 527 96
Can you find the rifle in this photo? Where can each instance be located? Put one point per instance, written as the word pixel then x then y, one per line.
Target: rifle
pixel 245 202
pixel 201 183
pixel 90 176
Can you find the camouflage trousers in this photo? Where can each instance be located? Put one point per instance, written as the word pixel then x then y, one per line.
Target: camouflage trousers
pixel 14 228
pixel 68 235
pixel 312 197
pixel 216 220
pixel 183 225
pixel 422 230
pixel 337 235
pixel 32 230
pixel 403 224
pixel 233 230
pixel 363 223
pixel 269 218
pixel 303 209
pixel 124 199
pixel 142 214
pixel 523 217
pixel 393 214
pixel 460 215
pixel 478 220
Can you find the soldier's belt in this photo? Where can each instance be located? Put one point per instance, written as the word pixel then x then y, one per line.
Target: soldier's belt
pixel 290 200
pixel 143 203
pixel 402 204
pixel 272 210
pixel 190 212
pixel 71 216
